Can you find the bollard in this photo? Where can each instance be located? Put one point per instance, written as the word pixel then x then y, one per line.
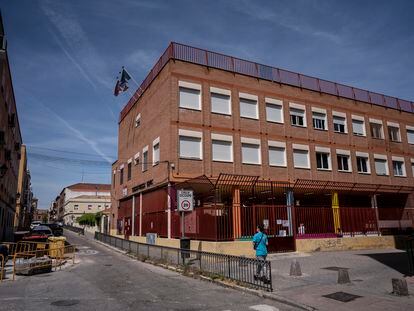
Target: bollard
pixel 399 287
pixel 295 269
pixel 343 276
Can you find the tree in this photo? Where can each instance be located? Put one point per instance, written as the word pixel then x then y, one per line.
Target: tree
pixel 87 219
pixel 44 218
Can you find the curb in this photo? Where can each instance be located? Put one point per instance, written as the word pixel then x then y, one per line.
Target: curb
pixel 258 293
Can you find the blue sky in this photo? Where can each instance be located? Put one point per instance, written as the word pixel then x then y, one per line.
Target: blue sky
pixel 65 56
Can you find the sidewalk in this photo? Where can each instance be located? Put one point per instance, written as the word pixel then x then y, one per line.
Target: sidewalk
pixel 370 273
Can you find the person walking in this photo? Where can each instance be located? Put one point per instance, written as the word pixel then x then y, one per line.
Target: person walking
pixel 260 243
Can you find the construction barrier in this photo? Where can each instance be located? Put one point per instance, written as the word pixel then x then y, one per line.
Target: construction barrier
pixel 43 260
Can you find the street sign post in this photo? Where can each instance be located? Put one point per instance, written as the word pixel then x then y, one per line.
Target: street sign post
pixel 185 199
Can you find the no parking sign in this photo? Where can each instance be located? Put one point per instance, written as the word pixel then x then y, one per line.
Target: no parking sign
pixel 185 200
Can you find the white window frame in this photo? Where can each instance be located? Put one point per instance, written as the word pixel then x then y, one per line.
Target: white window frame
pixel 347 154
pixel 189 86
pixel 249 98
pixel 156 157
pixel 365 156
pixel 394 125
pixel 279 145
pixel 292 108
pixel 301 148
pixel 136 158
pixel 342 115
pixel 222 138
pixel 381 157
pixel 316 115
pixel 138 120
pixel 221 92
pixel 411 130
pixel 364 130
pixel 412 166
pixel 145 161
pixel 270 103
pixel 251 142
pixel 376 122
pixel 190 134
pixel 399 160
pixel 326 151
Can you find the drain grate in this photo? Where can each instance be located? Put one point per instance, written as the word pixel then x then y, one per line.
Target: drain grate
pixel 108 265
pixel 65 303
pixel 342 296
pixel 334 268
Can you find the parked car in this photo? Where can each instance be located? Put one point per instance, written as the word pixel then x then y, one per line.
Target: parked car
pixel 34 224
pixel 39 233
pixel 56 228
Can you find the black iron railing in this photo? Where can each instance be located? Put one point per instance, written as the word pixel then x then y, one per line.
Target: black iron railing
pixel 74 229
pixel 242 270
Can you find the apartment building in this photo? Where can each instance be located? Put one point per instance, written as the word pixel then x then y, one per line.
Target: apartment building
pixel 80 198
pixel 308 157
pixel 10 142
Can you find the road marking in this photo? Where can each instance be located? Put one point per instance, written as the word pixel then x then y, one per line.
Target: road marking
pixel 263 308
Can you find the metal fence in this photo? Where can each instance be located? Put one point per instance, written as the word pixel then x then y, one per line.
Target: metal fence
pixel 74 229
pixel 410 253
pixel 244 271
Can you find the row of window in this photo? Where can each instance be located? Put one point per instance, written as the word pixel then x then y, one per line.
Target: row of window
pixel 190 147
pixel 100 207
pixel 144 162
pixel 190 98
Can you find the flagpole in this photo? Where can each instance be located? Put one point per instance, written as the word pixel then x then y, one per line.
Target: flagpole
pixel 132 78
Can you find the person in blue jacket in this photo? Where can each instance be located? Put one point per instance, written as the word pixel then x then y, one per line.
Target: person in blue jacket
pixel 260 243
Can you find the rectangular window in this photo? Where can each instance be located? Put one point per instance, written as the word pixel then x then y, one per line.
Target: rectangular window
pixel 362 165
pixel 339 124
pixel 301 158
pixel 412 167
pixel 398 168
pixel 376 130
pixel 319 121
pixel 156 151
pixel 358 127
pixel 322 160
pixel 89 207
pixel 76 207
pixel 277 156
pixel 297 117
pixel 410 136
pixel 190 147
pixel 381 166
pixel 274 110
pixel 129 170
pixel 190 95
pixel 113 179
pixel 343 162
pixel 220 101
pixel 136 158
pixel 145 159
pixel 250 152
pixel 222 150
pixel 121 176
pixel 249 107
pixel 138 120
pixel 394 133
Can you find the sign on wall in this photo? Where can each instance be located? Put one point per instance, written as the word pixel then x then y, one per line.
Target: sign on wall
pixel 185 200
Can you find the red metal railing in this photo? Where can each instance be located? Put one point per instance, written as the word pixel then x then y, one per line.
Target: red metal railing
pixel 216 60
pixel 317 221
pixel 358 220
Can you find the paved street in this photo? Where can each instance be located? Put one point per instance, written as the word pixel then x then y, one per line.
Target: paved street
pixel 106 280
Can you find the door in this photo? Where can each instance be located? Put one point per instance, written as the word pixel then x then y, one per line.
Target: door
pixel 127 228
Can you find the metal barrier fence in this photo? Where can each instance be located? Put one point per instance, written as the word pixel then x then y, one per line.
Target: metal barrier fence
pixel 244 271
pixel 74 229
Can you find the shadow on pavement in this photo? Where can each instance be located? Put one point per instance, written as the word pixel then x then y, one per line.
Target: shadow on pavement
pixel 396 261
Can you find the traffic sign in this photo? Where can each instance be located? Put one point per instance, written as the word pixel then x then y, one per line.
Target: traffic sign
pixel 185 200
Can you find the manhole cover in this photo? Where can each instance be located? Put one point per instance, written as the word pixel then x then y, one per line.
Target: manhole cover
pixel 65 303
pixel 334 268
pixel 357 280
pixel 342 296
pixel 108 265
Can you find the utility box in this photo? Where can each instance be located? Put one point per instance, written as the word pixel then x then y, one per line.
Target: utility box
pixel 185 245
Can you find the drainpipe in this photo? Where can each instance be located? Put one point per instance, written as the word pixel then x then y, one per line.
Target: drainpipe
pixel 169 211
pixel 133 215
pixel 140 214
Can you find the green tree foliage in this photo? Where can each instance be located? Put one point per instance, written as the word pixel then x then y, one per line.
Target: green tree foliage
pixel 87 219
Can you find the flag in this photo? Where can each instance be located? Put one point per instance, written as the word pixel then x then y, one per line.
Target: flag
pixel 122 83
